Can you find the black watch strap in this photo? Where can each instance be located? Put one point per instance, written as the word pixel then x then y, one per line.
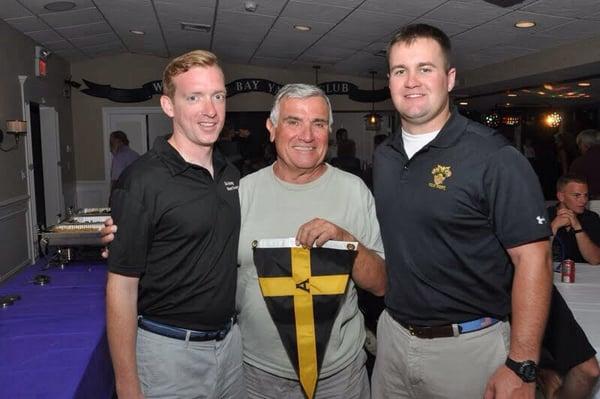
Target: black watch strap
pixel 526 370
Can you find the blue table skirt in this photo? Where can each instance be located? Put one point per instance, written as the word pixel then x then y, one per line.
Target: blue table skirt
pixel 53 340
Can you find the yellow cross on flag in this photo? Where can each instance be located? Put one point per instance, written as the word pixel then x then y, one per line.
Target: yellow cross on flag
pixel 303 289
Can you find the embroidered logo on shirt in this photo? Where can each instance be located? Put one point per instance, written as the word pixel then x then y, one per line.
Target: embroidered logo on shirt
pixel 230 186
pixel 540 220
pixel 440 173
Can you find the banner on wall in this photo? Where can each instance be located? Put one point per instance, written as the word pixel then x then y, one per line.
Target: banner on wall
pixel 238 86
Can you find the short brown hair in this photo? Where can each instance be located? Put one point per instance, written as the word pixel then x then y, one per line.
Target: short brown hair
pixel 182 64
pixel 409 33
pixel 566 179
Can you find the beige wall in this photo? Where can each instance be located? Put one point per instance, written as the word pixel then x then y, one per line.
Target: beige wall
pixel 131 71
pixel 18 59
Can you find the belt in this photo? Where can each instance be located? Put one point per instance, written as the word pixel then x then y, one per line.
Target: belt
pixel 447 330
pixel 184 334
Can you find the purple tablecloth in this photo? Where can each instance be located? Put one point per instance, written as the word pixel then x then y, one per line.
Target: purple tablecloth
pixel 53 340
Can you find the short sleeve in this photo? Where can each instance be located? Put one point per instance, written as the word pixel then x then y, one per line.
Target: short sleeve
pixel 592 228
pixel 515 200
pixel 129 249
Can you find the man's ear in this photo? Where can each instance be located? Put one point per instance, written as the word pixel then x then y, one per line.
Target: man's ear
pixel 167 105
pixel 271 128
pixel 560 196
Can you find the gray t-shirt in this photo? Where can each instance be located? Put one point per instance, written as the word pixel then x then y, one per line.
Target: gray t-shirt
pixel 272 208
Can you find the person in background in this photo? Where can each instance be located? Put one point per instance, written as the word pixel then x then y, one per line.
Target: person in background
pixel 170 294
pixel 340 135
pixel 575 229
pixel 122 156
pixel 466 242
pixel 346 158
pixel 588 164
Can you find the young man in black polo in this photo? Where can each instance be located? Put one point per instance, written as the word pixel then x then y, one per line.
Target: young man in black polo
pixel 462 220
pixel 172 269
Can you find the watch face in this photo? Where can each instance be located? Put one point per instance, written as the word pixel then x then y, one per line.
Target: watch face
pixel 528 371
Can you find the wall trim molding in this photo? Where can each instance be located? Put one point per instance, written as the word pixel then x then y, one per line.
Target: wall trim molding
pixel 14 200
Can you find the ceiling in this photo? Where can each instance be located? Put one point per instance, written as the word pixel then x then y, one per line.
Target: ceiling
pixel 346 36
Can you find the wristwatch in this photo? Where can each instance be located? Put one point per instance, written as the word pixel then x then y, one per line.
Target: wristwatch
pixel 526 370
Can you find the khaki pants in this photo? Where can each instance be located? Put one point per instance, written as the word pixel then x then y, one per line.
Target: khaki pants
pixel 449 368
pixel 350 383
pixel 172 368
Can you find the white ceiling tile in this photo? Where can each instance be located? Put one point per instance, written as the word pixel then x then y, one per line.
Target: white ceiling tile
pixel 243 25
pixel 94 40
pixel 85 30
pixel 12 9
pixel 169 11
pixel 506 23
pixel 337 3
pixel 465 13
pixel 271 61
pixel 314 12
pixel 403 7
pixel 449 28
pixel 369 26
pixel 565 8
pixel 575 30
pixel 60 45
pixel 44 36
pixel 37 6
pixel 285 24
pixel 264 7
pixel 75 17
pixel 27 24
pixel 332 40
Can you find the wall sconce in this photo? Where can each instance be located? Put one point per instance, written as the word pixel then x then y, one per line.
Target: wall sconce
pixel 16 128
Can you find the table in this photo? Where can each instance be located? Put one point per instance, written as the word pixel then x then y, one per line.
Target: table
pixel 583 297
pixel 53 340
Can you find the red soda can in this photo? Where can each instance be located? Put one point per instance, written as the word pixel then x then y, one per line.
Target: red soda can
pixel 567 271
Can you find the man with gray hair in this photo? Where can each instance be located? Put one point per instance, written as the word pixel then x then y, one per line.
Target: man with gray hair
pixel 300 195
pixel 588 164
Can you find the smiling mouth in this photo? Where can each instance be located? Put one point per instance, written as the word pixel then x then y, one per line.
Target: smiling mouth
pixel 416 95
pixel 303 149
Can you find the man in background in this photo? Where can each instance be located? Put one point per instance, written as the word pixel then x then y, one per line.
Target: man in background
pixel 588 164
pixel 575 229
pixel 122 155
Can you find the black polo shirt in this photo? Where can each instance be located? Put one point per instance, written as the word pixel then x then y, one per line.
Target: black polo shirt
pixel 446 217
pixel 565 242
pixel 178 232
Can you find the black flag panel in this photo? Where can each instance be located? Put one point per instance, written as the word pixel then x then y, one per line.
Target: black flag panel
pixel 303 290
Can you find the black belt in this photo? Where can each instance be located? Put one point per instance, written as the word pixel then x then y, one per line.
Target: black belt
pixel 447 330
pixel 183 334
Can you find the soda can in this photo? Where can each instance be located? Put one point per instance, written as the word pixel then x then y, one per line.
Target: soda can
pixel 567 271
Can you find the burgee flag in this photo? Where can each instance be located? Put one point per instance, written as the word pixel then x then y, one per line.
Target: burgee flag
pixel 303 289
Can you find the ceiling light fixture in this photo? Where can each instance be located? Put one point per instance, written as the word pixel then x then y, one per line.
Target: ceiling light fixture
pixel 372 119
pixel 137 32
pixel 302 28
pixel 512 94
pixel 584 84
pixel 524 24
pixel 57 6
pixel 195 27
pixel 463 103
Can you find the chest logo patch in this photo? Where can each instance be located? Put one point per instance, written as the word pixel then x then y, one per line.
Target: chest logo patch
pixel 440 174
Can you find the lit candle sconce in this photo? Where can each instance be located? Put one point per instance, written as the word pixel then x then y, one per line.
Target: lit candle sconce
pixel 16 128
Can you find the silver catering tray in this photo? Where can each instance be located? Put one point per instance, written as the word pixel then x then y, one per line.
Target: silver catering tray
pixel 71 235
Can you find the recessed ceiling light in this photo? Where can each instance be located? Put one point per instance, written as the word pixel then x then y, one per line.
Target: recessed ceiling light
pixel 512 94
pixel 463 103
pixel 584 84
pixel 548 86
pixel 195 27
pixel 541 93
pixel 57 6
pixel 137 32
pixel 508 104
pixel 524 24
pixel 571 93
pixel 302 28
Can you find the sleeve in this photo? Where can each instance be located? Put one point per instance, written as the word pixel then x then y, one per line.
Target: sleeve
pixel 514 197
pixel 128 251
pixel 371 235
pixel 592 227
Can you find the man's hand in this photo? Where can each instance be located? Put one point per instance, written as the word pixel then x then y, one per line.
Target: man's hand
pixel 571 216
pixel 505 384
pixel 107 235
pixel 319 231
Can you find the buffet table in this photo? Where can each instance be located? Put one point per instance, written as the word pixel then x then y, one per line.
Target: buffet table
pixel 583 297
pixel 53 339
